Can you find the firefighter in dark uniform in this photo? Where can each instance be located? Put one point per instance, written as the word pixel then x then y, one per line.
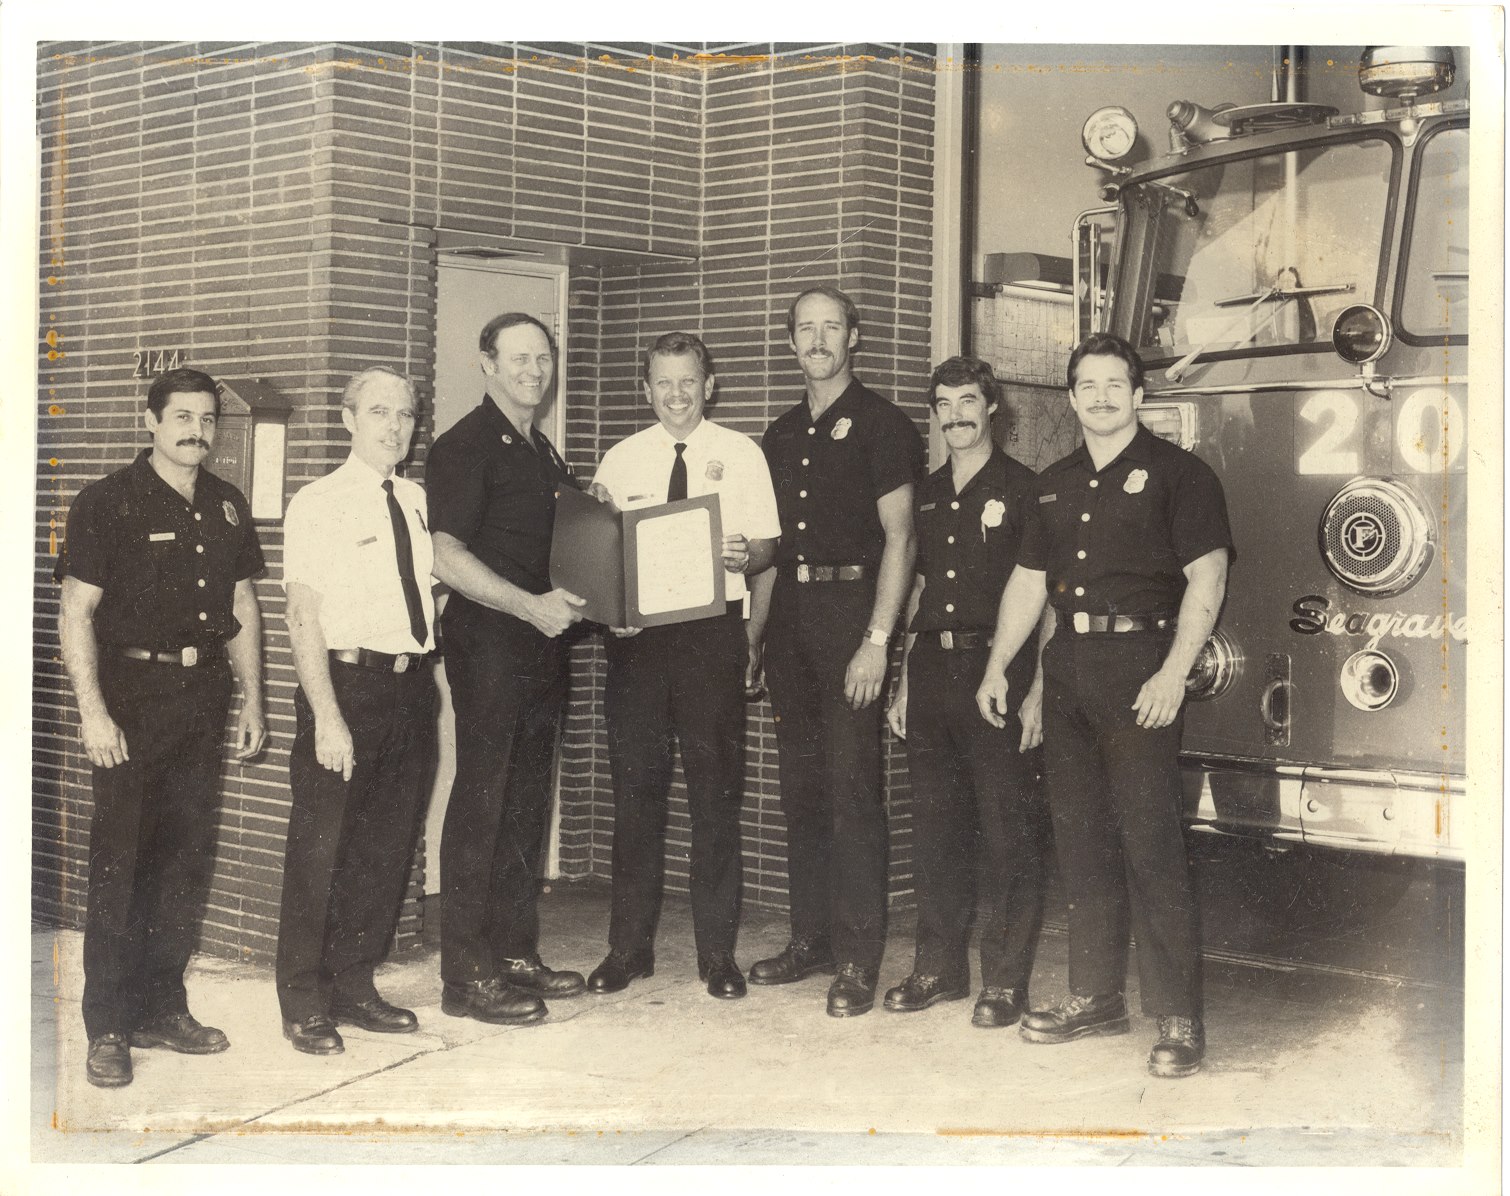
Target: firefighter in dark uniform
pixel 968 776
pixel 843 461
pixel 1128 541
pixel 492 482
pixel 157 595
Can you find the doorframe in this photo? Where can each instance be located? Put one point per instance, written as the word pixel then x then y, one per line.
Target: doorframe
pixel 556 430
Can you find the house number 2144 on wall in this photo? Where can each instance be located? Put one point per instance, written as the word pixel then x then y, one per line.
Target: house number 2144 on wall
pixel 152 362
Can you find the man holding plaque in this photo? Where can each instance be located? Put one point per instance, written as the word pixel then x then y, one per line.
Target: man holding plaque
pixel 843 461
pixel 684 679
pixel 492 481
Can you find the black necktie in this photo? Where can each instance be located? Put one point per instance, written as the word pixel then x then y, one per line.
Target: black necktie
pixel 676 489
pixel 405 553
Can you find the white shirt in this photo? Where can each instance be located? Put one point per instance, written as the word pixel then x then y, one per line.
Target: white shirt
pixel 338 541
pixel 719 461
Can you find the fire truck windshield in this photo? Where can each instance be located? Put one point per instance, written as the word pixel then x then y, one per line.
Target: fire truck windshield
pixel 1261 252
pixel 1435 298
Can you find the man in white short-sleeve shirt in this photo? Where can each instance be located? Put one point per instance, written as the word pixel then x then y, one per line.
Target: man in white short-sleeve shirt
pixel 357 561
pixel 685 679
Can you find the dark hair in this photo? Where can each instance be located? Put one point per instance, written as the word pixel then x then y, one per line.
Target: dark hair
pixel 181 381
pixel 488 340
pixel 962 371
pixel 1107 344
pixel 851 312
pixel 678 344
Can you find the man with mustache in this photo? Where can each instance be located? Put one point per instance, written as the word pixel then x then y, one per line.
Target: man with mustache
pixel 157 567
pixel 968 776
pixel 683 682
pixel 1127 541
pixel 492 480
pixel 356 566
pixel 843 461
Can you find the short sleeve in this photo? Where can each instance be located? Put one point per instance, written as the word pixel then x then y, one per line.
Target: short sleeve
pixel 1033 552
pixel 303 557
pixel 1198 523
pixel 456 479
pixel 896 453
pixel 763 522
pixel 249 560
pixel 86 541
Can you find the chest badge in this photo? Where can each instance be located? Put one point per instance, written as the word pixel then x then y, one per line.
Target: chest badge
pixel 507 439
pixel 1136 480
pixel 841 429
pixel 230 513
pixel 991 513
pixel 715 471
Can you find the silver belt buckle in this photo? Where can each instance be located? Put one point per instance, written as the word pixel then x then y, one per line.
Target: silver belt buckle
pixel 401 663
pixel 946 640
pixel 804 573
pixel 1081 622
pixel 189 657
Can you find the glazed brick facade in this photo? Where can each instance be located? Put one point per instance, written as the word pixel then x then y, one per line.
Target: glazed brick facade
pixel 274 212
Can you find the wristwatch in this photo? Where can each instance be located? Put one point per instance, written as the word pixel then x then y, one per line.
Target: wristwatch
pixel 878 637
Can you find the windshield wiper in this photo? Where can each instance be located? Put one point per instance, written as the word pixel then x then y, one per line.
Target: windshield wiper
pixel 1276 294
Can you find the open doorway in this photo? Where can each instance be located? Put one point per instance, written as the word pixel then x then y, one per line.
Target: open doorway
pixel 469 293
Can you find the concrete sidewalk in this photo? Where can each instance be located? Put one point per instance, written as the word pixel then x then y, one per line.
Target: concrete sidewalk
pixel 1300 1072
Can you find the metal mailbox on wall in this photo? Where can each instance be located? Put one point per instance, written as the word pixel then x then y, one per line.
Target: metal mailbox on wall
pixel 251 442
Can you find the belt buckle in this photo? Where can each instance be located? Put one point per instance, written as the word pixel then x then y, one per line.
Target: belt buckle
pixel 401 662
pixel 946 640
pixel 804 573
pixel 189 657
pixel 1081 621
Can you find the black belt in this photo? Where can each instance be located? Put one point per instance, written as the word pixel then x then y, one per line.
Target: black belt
pixel 384 662
pixel 806 573
pixel 953 640
pixel 1081 622
pixel 185 657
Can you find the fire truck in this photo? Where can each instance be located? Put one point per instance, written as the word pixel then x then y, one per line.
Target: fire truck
pixel 1296 281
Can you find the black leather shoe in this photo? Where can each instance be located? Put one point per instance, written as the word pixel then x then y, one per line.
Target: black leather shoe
pixel 534 977
pixel 1180 1049
pixel 373 1014
pixel 491 1001
pixel 852 993
pixel 182 1033
pixel 109 1062
pixel 619 968
pixel 997 1007
pixel 919 991
pixel 314 1035
pixel 800 959
pixel 722 974
pixel 1076 1017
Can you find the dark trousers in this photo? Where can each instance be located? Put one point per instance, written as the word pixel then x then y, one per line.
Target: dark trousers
pixel 508 684
pixel 151 838
pixel 350 842
pixel 1114 792
pixel 970 785
pixel 683 682
pixel 830 758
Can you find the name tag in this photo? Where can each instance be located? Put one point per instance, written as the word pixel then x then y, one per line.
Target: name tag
pixel 928 506
pixel 1047 497
pixel 367 541
pixel 163 536
pixel 638 497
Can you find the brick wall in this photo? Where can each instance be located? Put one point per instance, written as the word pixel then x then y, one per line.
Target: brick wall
pixel 274 211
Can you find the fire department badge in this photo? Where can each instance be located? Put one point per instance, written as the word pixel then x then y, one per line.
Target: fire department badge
pixel 715 471
pixel 230 513
pixel 991 513
pixel 1136 480
pixel 841 429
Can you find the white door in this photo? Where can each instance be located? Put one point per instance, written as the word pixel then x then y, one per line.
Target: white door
pixel 468 295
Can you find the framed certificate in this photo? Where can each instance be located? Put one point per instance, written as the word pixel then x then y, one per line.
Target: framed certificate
pixel 640 568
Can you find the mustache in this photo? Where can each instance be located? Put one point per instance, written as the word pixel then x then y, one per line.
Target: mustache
pixel 195 442
pixel 958 423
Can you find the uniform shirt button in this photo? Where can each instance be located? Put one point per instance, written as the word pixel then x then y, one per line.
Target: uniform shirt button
pixel 951 539
pixel 949 606
pixel 1085 517
pixel 199 548
pixel 1079 591
pixel 802 494
pixel 804 460
pixel 1094 483
pixel 201 583
pixel 954 506
pixel 1081 554
pixel 950 573
pixel 812 431
pixel 802 527
pixel 203 616
pixel 198 516
pixel 800 557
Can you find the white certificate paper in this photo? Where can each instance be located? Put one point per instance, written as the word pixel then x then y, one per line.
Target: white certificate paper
pixel 672 562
